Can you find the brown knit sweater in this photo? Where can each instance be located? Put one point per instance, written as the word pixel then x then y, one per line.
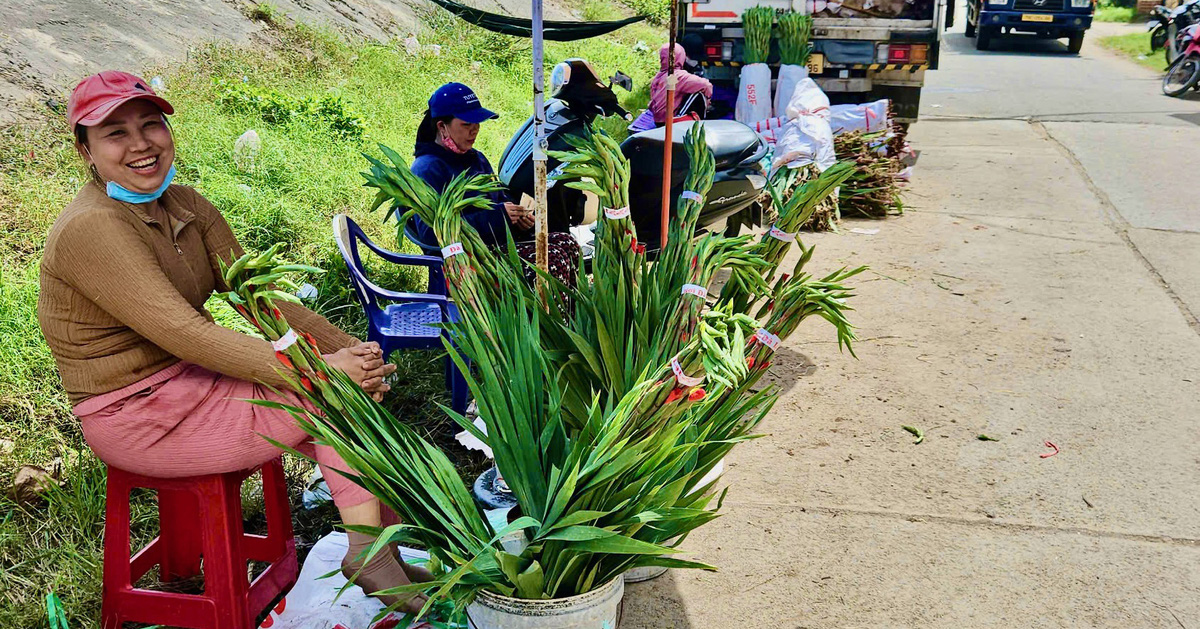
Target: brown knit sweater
pixel 122 294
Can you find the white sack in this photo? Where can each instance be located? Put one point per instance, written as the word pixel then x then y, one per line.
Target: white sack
pixel 807 100
pixel 805 140
pixel 754 94
pixel 785 86
pixel 770 128
pixel 868 117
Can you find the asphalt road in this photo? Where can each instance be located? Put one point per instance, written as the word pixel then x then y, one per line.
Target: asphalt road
pixel 1041 287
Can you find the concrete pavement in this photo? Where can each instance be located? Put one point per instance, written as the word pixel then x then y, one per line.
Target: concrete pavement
pixel 1040 288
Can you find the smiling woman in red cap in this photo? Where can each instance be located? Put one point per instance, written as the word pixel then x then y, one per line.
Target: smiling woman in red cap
pixel 157 385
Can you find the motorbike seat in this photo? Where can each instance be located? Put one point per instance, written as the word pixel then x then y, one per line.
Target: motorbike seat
pixel 731 142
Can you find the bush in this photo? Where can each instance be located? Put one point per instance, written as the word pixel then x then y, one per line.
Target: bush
pixel 277 108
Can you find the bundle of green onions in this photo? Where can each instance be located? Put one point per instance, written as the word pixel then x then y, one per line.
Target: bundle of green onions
pixel 795 30
pixel 757 23
pixel 873 190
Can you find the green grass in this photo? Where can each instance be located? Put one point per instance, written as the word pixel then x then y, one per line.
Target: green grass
pixel 1113 13
pixel 1136 46
pixel 304 174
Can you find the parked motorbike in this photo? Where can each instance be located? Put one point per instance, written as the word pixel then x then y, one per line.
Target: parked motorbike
pixel 1160 19
pixel 1167 25
pixel 577 97
pixel 1184 73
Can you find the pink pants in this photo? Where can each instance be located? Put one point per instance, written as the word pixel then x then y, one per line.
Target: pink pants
pixel 187 421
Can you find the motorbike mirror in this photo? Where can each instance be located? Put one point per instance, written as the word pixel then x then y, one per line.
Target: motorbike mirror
pixel 622 80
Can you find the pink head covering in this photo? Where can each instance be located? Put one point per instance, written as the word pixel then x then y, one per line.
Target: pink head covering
pixel 686 83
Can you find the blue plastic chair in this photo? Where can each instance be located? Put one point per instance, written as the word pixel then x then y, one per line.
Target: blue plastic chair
pixel 437 279
pixel 396 320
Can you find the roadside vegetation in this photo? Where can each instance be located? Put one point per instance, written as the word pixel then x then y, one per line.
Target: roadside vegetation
pixel 1112 12
pixel 1136 46
pixel 316 103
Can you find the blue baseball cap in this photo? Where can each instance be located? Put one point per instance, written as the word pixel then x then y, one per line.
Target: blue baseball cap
pixel 456 99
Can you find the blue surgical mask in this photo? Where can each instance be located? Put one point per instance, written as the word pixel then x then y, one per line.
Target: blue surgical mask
pixel 120 193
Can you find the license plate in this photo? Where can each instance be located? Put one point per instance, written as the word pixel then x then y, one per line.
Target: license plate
pixel 1030 17
pixel 816 63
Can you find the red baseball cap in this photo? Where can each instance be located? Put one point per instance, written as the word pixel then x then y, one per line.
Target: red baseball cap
pixel 98 95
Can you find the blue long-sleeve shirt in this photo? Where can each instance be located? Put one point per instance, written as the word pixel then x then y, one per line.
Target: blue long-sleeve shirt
pixel 437 166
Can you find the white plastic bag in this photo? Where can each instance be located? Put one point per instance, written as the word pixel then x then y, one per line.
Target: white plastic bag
pixel 785 86
pixel 868 117
pixel 245 150
pixel 754 94
pixel 311 603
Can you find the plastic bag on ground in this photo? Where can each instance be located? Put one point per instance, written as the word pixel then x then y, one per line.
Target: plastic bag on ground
pixel 789 77
pixel 754 94
pixel 311 604
pixel 867 117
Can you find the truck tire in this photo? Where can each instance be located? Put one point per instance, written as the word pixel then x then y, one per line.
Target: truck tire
pixel 970 29
pixel 1075 43
pixel 983 38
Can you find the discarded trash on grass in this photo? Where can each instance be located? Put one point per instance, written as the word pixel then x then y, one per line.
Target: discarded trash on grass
pixel 1046 455
pixel 986 438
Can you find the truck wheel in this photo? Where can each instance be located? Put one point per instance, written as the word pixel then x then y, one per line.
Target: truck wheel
pixel 1075 43
pixel 970 29
pixel 984 38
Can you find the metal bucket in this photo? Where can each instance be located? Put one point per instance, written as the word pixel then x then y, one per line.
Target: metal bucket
pixel 598 609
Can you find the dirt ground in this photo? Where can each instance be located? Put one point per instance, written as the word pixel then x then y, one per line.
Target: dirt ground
pixel 1029 294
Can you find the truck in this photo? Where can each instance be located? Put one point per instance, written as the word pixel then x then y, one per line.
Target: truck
pixel 863 50
pixel 1048 19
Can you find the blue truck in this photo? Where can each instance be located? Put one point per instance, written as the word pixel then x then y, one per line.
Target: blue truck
pixel 1047 19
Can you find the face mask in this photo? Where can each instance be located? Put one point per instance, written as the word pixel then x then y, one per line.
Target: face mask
pixel 118 192
pixel 451 145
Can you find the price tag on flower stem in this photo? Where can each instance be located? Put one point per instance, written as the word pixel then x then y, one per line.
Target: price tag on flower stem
pixel 621 212
pixel 768 339
pixel 450 251
pixel 285 341
pixel 779 234
pixel 683 378
pixel 688 195
pixel 695 289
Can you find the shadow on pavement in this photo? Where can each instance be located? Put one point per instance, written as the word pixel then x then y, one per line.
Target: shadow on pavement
pixel 1008 45
pixel 654 604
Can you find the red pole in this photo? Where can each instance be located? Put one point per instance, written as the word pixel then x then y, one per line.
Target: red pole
pixel 668 137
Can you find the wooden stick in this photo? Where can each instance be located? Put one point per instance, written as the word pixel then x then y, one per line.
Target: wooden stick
pixel 541 228
pixel 668 131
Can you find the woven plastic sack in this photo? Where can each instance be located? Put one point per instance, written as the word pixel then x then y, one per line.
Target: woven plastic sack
pixel 754 94
pixel 867 117
pixel 789 77
pixel 805 140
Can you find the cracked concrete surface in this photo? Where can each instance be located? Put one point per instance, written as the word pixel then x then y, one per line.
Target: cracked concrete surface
pixel 1040 288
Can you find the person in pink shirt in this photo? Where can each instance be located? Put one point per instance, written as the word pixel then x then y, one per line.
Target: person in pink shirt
pixel 686 83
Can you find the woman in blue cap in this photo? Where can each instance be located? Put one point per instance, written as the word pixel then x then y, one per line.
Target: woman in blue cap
pixel 445 148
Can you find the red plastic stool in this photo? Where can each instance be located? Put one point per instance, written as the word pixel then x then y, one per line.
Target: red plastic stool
pixel 199 516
